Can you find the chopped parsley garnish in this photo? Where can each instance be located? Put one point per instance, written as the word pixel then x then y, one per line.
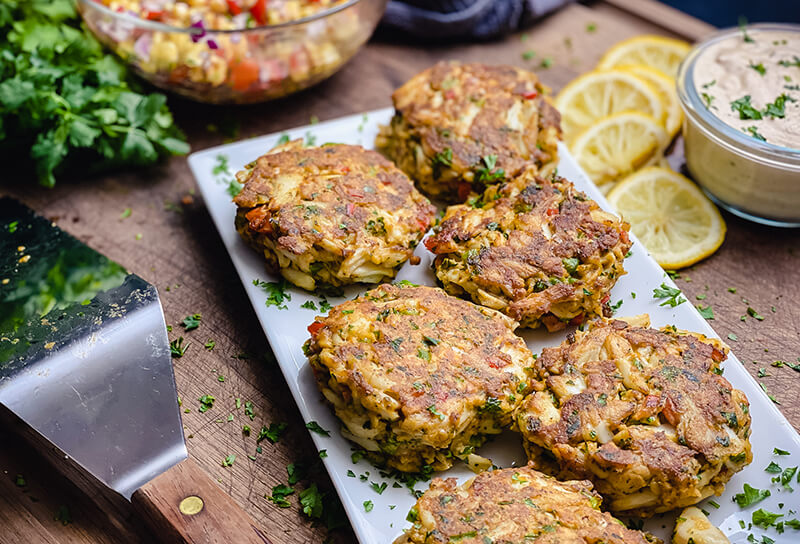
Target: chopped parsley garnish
pixel 745 36
pixel 529 54
pixel 750 495
pixel 770 395
pixel 570 264
pixel 249 410
pixel 276 292
pixel 778 451
pixel 432 409
pixel 764 518
pixel 209 345
pixel 773 468
pixel 758 67
pixel 176 347
pixel 295 472
pixel 591 27
pixel 708 99
pixel 443 158
pixel 206 403
pixel 368 506
pixel 272 433
pixel 379 488
pixel 547 62
pixel 125 213
pixel 315 427
pixel 487 174
pixel 191 322
pixel 424 354
pixel 786 478
pixel 777 109
pixel 789 63
pixel 745 109
pixel 671 295
pixel 707 312
pixel 229 460
pixel 279 494
pixel 753 131
pixel 754 314
pixel 311 501
pixel 732 336
pixel 309 305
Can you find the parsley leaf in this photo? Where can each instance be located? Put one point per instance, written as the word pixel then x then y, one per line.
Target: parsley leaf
pixel 315 427
pixel 745 109
pixel 764 518
pixel 311 502
pixel 176 347
pixel 276 292
pixel 750 495
pixel 777 109
pixel 65 102
pixel 778 451
pixel 672 295
pixel 758 67
pixel 279 494
pixel 229 460
pixel 191 322
pixel 272 433
pixel 707 312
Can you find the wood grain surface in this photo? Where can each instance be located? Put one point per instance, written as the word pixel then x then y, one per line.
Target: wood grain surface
pixel 169 240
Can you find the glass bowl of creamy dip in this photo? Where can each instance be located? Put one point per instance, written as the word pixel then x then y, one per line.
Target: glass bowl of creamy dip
pixel 740 92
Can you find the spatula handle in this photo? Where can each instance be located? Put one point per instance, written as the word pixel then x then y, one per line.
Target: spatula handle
pixel 183 505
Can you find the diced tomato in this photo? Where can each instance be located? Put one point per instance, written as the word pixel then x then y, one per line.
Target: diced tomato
pixel 315 327
pixel 623 235
pixel 670 412
pixel 429 243
pixel 259 219
pixel 497 364
pixel 153 15
pixel 244 74
pixel 605 298
pixel 577 320
pixel 350 209
pixel 717 355
pixel 345 170
pixel 551 211
pixel 423 225
pixel 233 7
pixel 530 94
pixel 259 12
pixel 463 190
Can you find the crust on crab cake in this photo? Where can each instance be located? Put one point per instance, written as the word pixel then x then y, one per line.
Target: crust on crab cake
pixel 645 414
pixel 330 216
pixel 514 505
pixel 460 127
pixel 419 378
pixel 536 249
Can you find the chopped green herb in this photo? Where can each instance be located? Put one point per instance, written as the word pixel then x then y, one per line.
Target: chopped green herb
pixel 272 433
pixel 315 427
pixel 778 451
pixel 672 295
pixel 284 139
pixel 176 347
pixel 745 109
pixel 777 109
pixel 209 345
pixel 789 63
pixel 529 54
pixel 752 313
pixel 249 410
pixel 732 336
pixel 368 506
pixel 191 322
pixel 742 27
pixel 764 518
pixel 707 99
pixel 750 495
pixel 295 472
pixel 279 494
pixel 309 305
pixel 547 62
pixel 432 409
pixel 276 292
pixel 20 481
pixel 706 312
pixel 773 468
pixel 591 27
pixel 229 460
pixel 206 403
pixel 379 488
pixel 753 130
pixel 758 67
pixel 311 501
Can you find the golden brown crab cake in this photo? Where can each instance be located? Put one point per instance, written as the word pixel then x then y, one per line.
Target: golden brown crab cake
pixel 330 216
pixel 515 505
pixel 464 126
pixel 643 413
pixel 419 378
pixel 536 249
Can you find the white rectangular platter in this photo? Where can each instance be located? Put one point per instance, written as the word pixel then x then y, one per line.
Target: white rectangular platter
pixel 286 331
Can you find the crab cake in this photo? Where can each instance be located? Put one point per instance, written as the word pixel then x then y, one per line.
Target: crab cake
pixel 463 126
pixel 514 505
pixel 535 249
pixel 330 216
pixel 418 377
pixel 643 413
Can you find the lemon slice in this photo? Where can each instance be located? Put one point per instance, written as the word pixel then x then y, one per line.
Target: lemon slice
pixel 616 145
pixel 600 93
pixel 670 216
pixel 666 92
pixel 658 52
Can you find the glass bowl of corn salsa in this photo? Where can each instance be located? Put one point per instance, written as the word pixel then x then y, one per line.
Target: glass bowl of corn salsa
pixel 233 51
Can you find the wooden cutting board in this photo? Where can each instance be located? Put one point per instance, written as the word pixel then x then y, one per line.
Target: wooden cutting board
pixel 179 251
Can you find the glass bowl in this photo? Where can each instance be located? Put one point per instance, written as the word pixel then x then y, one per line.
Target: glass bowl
pixel 753 179
pixel 236 66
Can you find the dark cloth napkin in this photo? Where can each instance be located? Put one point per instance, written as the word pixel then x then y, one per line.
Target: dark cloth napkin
pixel 464 19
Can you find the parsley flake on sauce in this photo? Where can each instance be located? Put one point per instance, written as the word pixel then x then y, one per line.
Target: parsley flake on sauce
pixel 758 67
pixel 745 108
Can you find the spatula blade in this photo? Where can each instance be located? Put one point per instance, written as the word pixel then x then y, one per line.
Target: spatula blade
pixel 84 354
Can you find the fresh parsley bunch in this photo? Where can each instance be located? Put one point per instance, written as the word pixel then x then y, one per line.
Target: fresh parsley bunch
pixel 64 101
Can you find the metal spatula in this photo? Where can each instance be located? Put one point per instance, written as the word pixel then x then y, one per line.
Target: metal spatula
pixel 85 362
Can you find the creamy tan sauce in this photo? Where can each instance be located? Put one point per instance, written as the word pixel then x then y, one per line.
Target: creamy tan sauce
pixel 764 68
